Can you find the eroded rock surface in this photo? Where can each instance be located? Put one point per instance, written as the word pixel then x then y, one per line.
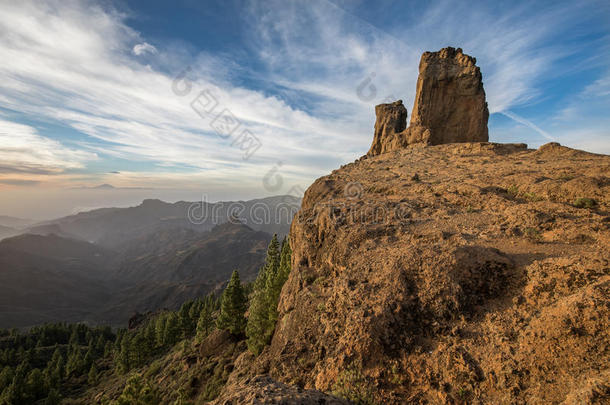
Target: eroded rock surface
pixel 449 106
pixel 450 99
pixel 461 273
pixel 263 390
pixel 391 120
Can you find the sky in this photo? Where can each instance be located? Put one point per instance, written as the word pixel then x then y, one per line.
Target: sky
pixel 221 100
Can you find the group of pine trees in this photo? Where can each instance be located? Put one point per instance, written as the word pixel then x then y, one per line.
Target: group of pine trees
pixel 33 366
pixel 265 296
pixel 40 365
pixel 135 348
pixel 263 302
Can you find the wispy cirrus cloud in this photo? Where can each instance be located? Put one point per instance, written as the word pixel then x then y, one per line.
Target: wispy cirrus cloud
pixel 93 84
pixel 328 50
pixel 320 68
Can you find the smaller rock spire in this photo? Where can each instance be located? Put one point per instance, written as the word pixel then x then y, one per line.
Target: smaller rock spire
pixel 391 121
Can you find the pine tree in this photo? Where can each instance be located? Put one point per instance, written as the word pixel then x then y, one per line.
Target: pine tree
pixel 16 390
pixel 137 392
pixel 195 311
pixel 285 262
pixel 272 261
pixel 160 330
pixel 75 362
pixel 279 280
pixel 233 307
pixel 92 376
pixel 108 349
pixel 53 398
pixel 188 324
pixel 122 356
pixel 172 329
pixel 100 343
pixel 150 337
pixel 56 368
pixel 267 287
pixel 11 395
pixel 206 318
pixel 74 340
pixel 35 385
pixel 6 377
pixel 89 357
pixel 138 350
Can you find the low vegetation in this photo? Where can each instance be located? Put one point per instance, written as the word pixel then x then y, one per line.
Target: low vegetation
pixel 585 203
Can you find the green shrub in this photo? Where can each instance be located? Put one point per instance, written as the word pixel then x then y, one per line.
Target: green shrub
pixel 513 190
pixel 353 386
pixel 585 203
pixel 532 197
pixel 137 392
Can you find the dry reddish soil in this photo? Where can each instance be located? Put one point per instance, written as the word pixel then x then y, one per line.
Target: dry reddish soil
pixel 457 273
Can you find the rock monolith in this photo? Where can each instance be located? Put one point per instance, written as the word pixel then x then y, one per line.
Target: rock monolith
pixel 449 105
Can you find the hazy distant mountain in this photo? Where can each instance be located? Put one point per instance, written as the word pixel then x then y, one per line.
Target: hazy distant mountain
pixel 50 229
pixel 48 277
pixel 164 269
pixel 113 227
pixel 182 254
pixel 56 247
pixel 17 223
pixel 6 232
pixel 102 265
pixel 107 186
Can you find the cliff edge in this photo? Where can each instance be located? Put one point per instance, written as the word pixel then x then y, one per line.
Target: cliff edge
pixel 455 273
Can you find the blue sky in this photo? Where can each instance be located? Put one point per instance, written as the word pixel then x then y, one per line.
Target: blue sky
pixel 88 88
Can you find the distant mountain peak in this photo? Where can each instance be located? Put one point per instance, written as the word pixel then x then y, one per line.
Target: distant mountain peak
pixel 154 202
pixel 105 186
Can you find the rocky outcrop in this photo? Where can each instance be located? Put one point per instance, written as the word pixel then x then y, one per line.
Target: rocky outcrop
pixel 461 273
pixel 263 390
pixel 391 121
pixel 449 106
pixel 450 99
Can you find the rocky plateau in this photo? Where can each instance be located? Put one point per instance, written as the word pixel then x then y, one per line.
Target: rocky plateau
pixel 441 268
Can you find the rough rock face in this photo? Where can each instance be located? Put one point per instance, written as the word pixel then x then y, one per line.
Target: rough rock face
pixel 462 273
pixel 263 390
pixel 450 99
pixel 449 106
pixel 391 120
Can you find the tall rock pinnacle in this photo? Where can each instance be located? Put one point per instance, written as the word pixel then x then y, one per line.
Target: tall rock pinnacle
pixel 449 105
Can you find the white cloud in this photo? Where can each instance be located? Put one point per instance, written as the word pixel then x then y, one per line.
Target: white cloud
pixel 73 61
pixel 599 88
pixel 24 151
pixel 143 48
pixel 94 86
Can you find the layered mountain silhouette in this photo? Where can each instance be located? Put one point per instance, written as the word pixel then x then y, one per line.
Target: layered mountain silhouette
pixel 50 278
pixel 102 266
pixel 7 231
pixel 113 227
